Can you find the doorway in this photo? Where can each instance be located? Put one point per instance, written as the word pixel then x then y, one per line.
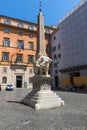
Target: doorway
pixel 18 81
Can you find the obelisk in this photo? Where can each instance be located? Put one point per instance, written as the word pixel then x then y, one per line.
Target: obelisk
pixel 41 96
pixel 41 47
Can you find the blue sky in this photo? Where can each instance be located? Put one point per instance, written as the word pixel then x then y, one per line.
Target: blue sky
pixel 27 10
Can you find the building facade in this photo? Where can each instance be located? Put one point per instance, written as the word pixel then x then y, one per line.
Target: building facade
pixel 69 46
pixel 18 45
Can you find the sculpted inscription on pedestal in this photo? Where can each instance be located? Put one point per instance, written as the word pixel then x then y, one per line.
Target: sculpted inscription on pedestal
pixel 45 86
pixel 41 82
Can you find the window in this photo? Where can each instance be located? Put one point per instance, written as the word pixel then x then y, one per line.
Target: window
pixel 55 65
pixel 4 69
pixel 56 71
pixel 59 55
pixel 19 58
pixel 5 56
pixel 6 42
pixel 77 74
pixel 20 33
pixel 30 59
pixel 30 80
pixel 30 35
pixel 20 44
pixel 55 57
pixel 48 31
pixel 54 38
pixel 20 25
pixel 48 48
pixel 54 48
pixel 7 30
pixel 7 21
pixel 4 80
pixel 58 46
pixel 31 45
pixel 31 27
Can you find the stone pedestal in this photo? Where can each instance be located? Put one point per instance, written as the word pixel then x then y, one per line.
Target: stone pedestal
pixel 41 97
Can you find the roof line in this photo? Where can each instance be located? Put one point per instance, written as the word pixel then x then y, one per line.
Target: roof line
pixel 72 11
pixel 23 21
pixel 17 19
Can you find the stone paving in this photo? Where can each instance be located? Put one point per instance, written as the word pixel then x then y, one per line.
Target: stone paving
pixel 16 116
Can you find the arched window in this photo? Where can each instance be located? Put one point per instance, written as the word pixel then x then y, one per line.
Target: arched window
pixel 31 27
pixel 20 25
pixel 4 80
pixel 30 35
pixel 7 21
pixel 48 31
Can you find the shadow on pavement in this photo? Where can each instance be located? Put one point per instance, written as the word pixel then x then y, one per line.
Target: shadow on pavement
pixel 19 102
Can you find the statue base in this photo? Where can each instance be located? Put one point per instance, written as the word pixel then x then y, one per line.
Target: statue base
pixel 41 97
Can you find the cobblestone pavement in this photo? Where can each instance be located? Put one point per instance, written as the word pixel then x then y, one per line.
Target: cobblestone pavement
pixel 16 116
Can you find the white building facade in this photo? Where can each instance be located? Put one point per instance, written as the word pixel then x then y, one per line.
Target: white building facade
pixel 69 48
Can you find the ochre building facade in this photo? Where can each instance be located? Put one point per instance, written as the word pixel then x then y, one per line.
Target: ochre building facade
pixel 18 45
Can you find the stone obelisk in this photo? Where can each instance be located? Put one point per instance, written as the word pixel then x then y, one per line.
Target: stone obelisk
pixel 41 47
pixel 41 96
